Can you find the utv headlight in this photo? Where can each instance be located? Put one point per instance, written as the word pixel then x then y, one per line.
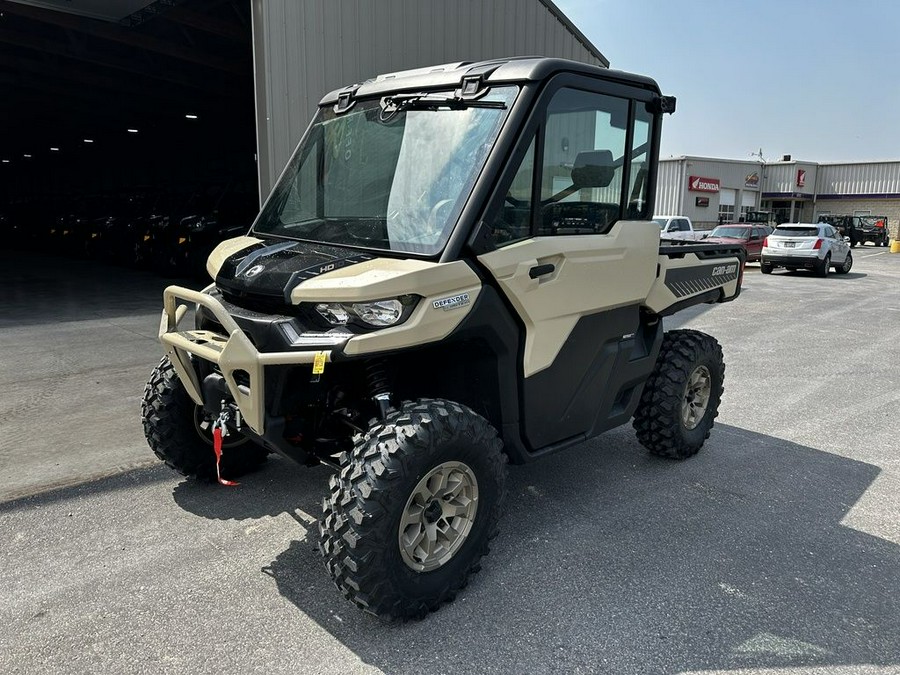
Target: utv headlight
pixel 334 313
pixel 378 313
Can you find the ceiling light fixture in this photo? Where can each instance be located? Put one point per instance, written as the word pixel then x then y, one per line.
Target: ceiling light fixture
pixel 191 117
pixel 88 140
pixel 27 156
pixel 54 149
pixel 132 131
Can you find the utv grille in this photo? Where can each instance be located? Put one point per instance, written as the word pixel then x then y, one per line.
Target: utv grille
pixel 261 304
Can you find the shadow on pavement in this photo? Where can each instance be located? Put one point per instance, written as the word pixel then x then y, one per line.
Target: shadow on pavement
pixel 117 480
pixel 850 276
pixel 279 486
pixel 44 290
pixel 612 560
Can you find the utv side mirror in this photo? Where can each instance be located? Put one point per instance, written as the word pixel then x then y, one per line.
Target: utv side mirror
pixel 593 168
pixel 662 104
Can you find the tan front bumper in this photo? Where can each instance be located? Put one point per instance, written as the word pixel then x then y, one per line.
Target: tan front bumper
pixel 231 353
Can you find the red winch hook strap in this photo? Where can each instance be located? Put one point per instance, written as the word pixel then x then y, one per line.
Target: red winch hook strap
pixel 217 446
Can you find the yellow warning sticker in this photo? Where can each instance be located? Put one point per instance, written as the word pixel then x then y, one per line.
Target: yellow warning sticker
pixel 319 363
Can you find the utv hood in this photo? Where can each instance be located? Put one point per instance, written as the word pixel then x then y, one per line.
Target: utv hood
pixel 274 268
pixel 294 272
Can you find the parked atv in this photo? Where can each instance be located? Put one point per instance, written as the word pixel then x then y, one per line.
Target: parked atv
pixel 216 213
pixel 456 270
pixel 872 228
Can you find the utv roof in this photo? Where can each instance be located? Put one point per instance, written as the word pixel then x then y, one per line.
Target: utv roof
pixel 498 71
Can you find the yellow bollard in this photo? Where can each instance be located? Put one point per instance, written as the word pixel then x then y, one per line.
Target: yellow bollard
pixel 895 246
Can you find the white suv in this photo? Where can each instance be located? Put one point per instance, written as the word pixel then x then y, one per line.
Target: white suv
pixel 812 246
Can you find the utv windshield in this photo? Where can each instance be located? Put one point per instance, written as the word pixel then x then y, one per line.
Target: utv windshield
pixel 391 175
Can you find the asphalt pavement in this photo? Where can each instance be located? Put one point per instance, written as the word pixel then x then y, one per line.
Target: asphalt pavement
pixel 775 550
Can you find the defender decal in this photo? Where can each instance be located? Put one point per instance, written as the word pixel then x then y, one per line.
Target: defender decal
pixel 691 280
pixel 452 302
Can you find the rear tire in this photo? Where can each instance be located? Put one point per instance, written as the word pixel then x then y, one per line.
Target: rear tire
pixel 823 267
pixel 846 265
pixel 174 427
pixel 681 398
pixel 399 532
pixel 766 268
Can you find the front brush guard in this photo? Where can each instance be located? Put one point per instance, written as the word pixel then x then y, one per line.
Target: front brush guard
pixel 233 353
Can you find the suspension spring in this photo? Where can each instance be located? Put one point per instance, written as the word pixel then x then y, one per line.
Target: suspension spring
pixel 377 377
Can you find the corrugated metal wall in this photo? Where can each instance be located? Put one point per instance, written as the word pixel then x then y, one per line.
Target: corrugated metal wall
pixel 669 188
pixel 732 174
pixel 306 48
pixel 857 179
pixel 782 178
pixel 674 198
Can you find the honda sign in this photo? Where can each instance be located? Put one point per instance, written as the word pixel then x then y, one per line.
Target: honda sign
pixel 701 184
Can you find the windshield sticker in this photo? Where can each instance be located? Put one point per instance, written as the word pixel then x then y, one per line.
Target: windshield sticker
pixel 452 302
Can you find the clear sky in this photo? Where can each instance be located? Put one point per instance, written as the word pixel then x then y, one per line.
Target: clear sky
pixel 816 79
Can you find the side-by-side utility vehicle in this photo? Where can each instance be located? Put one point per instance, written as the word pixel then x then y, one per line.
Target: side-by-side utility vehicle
pixel 457 269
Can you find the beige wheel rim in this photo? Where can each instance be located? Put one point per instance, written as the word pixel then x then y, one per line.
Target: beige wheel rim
pixel 438 516
pixel 696 397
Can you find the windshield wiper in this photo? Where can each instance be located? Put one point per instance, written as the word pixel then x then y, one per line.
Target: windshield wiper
pixel 391 105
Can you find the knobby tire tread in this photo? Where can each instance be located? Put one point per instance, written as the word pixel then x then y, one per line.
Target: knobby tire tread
pixel 357 527
pixel 167 417
pixel 657 419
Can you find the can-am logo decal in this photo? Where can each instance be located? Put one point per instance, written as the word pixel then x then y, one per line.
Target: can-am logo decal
pixel 724 269
pixel 701 184
pixel 451 302
pixel 687 281
pixel 253 271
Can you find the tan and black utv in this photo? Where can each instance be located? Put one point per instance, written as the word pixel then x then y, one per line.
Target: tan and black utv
pixel 457 268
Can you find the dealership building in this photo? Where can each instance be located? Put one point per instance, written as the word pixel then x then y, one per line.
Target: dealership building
pixel 710 190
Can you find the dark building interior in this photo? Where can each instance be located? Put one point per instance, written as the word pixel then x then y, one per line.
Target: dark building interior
pixel 105 111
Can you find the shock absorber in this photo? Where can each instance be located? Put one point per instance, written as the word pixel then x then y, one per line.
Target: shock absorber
pixel 378 381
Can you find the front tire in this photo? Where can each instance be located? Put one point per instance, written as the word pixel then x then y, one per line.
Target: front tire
pixel 180 435
pixel 413 509
pixel 681 398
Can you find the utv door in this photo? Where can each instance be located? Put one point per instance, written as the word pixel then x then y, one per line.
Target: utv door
pixel 576 255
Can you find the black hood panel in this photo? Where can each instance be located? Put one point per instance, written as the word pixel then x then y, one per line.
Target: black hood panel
pixel 274 268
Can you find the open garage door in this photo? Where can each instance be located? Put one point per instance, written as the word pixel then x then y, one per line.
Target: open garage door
pixel 116 110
